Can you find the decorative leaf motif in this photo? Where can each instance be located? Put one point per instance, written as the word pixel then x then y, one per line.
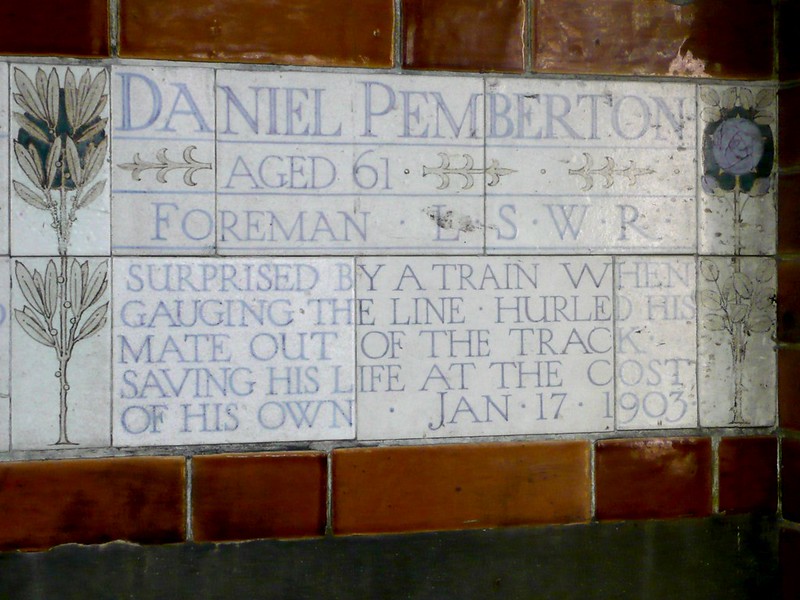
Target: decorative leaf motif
pixel 94 323
pixel 28 97
pixel 745 98
pixel 97 284
pixel 714 322
pixel 709 96
pixel 761 324
pixel 710 114
pixel 33 327
pixel 765 98
pixel 52 98
pixel 28 287
pixel 710 299
pixel 742 285
pixel 763 119
pixel 709 271
pixel 30 163
pixel 50 289
pixel 52 167
pixel 728 98
pixel 92 131
pixel 92 195
pixel 33 128
pixel 763 300
pixel 29 196
pixel 70 98
pixel 94 160
pixel 765 271
pixel 738 312
pixel 75 288
pixel 73 161
pixel 93 97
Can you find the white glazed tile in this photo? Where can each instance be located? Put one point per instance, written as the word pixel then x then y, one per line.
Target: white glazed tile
pixel 5 356
pixel 59 217
pixel 736 133
pixel 597 166
pixel 38 376
pixel 736 351
pixel 451 347
pixel 163 148
pixel 4 143
pixel 232 351
pixel 656 321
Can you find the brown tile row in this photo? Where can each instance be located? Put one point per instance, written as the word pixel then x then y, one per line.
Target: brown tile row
pixel 386 490
pixel 721 38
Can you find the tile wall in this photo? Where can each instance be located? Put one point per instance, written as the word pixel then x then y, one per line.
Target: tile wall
pixel 433 285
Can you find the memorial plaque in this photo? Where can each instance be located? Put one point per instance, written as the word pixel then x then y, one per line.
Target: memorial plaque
pixel 163 147
pixel 656 353
pixel 451 347
pixel 221 351
pixel 597 166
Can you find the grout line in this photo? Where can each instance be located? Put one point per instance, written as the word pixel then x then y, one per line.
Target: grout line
pixel 329 493
pixel 592 481
pixel 113 28
pixel 189 531
pixel 529 37
pixel 715 440
pixel 398 43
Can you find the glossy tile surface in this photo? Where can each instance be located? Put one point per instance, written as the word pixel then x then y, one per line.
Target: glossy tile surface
pixel 223 351
pixel 594 167
pixel 473 35
pixel 736 348
pixel 788 301
pixel 788 391
pixel 61 363
pixel 790 479
pixel 483 346
pixel 245 497
pixel 789 213
pixel 640 37
pixel 748 474
pixel 653 478
pixel 403 489
pixel 306 32
pixel 44 504
pixel 28 28
pixel 163 145
pixel 789 126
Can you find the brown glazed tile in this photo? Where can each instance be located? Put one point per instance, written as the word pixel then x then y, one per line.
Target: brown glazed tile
pixel 789 212
pixel 653 478
pixel 788 40
pixel 54 27
pixel 244 497
pixel 748 474
pixel 297 32
pixel 422 488
pixel 46 503
pixel 721 38
pixel 475 35
pixel 790 479
pixel 789 301
pixel 789 559
pixel 788 389
pixel 789 127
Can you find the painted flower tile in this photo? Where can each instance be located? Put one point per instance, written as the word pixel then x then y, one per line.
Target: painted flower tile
pixel 163 146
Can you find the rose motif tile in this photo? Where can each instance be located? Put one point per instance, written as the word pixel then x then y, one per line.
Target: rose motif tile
pixel 163 188
pixel 736 213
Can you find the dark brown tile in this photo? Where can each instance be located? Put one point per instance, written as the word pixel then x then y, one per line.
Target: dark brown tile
pixel 788 390
pixel 244 497
pixel 789 559
pixel 54 27
pixel 475 35
pixel 789 213
pixel 301 32
pixel 653 478
pixel 788 40
pixel 748 474
pixel 46 503
pixel 789 301
pixel 655 37
pixel 789 127
pixel 418 488
pixel 790 479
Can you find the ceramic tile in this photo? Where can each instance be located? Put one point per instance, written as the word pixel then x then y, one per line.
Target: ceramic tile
pixel 789 127
pixel 61 362
pixel 788 42
pixel 790 479
pixel 788 391
pixel 788 213
pixel 656 353
pixel 59 172
pixel 302 32
pixel 736 211
pixel 349 153
pixel 29 28
pixel 788 301
pixel 163 149
pixel 267 354
pixel 5 354
pixel 592 167
pixel 748 474
pixel 735 350
pixel 483 346
pixel 458 34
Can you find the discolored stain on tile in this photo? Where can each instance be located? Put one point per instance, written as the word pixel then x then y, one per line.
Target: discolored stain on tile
pixel 243 497
pixel 653 478
pixel 748 474
pixel 646 37
pixel 401 489
pixel 306 32
pixel 47 503
pixel 473 35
